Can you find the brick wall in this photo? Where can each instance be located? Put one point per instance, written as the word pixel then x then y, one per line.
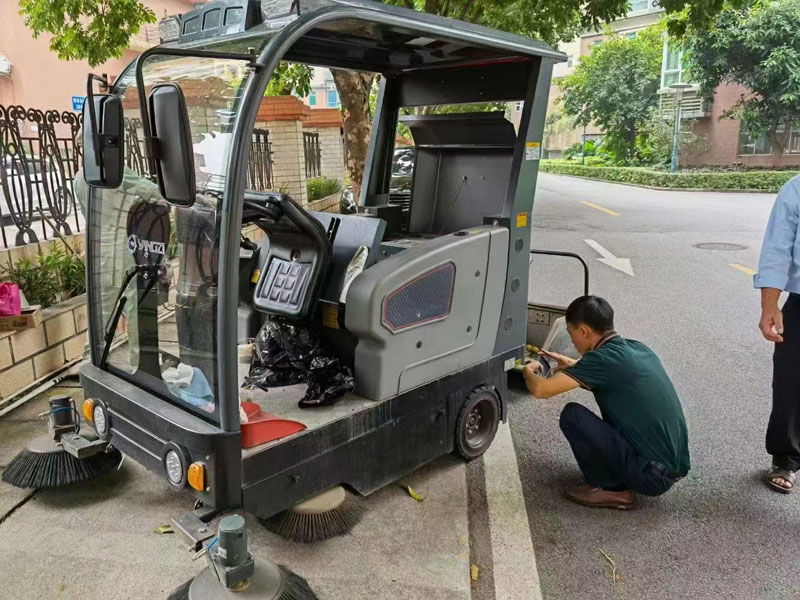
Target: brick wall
pixel 332 151
pixel 32 355
pixel 329 204
pixel 723 136
pixel 288 158
pixel 286 118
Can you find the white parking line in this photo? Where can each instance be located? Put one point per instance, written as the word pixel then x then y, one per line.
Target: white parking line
pixel 515 574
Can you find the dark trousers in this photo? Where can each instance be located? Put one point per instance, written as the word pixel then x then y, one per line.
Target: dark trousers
pixel 606 458
pixel 783 431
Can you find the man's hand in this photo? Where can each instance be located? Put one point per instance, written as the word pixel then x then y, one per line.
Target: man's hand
pixel 531 368
pixel 563 361
pixel 771 324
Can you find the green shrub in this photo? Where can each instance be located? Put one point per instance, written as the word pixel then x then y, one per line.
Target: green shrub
pixel 762 181
pixel 321 187
pixel 58 276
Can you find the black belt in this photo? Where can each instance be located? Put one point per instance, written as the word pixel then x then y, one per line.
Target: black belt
pixel 665 472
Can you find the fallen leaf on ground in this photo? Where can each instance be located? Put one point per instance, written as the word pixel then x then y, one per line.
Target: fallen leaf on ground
pixel 164 529
pixel 474 572
pixel 414 494
pixel 615 577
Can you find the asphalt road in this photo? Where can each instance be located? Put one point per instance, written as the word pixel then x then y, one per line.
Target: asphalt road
pixel 719 533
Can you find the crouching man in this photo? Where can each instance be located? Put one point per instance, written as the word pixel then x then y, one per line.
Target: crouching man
pixel 640 444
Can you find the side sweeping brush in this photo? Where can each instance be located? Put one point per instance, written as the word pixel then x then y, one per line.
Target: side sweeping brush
pixel 232 569
pixel 44 463
pixel 332 513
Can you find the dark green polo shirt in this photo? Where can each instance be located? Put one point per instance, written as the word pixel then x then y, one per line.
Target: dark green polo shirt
pixel 636 396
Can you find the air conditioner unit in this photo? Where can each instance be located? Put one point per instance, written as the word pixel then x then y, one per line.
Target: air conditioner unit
pixel 5 65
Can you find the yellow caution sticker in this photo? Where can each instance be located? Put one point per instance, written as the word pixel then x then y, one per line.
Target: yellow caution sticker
pixel 256 276
pixel 533 150
pixel 522 220
pixel 330 316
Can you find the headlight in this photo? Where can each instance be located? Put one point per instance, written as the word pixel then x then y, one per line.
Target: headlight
pixel 99 419
pixel 174 467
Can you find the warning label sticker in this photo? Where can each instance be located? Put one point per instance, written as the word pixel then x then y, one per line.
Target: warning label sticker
pixel 522 220
pixel 330 316
pixel 533 151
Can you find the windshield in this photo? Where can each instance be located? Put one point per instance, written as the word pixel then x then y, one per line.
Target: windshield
pixel 161 259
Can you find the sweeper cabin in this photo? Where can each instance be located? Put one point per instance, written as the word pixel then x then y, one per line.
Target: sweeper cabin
pixel 267 356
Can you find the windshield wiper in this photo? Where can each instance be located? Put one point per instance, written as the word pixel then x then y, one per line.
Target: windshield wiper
pixel 119 305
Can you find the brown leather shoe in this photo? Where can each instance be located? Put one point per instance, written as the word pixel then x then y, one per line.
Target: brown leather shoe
pixel 589 495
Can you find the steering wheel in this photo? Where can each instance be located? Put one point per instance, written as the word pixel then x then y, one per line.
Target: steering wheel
pixel 262 206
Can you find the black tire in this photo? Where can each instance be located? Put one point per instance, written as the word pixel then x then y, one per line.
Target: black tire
pixel 477 422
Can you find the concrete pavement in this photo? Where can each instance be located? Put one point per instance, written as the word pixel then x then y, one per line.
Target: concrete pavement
pixel 720 533
pixel 97 539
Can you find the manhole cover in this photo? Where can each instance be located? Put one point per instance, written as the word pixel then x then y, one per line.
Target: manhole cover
pixel 720 246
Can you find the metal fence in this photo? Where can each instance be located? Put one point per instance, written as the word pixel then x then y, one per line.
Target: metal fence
pixel 313 154
pixel 39 157
pixel 260 167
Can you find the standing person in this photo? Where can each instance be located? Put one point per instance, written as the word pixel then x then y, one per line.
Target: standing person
pixel 779 271
pixel 640 444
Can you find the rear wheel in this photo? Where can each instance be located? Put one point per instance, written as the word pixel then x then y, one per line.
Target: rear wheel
pixel 477 422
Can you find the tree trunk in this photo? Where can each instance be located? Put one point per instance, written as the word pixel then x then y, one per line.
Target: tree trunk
pixel 354 88
pixel 632 140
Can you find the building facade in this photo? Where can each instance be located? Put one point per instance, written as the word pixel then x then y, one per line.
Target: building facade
pixel 33 77
pixel 643 14
pixel 727 142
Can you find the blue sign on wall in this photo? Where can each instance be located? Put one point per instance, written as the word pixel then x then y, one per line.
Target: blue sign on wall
pixel 77 102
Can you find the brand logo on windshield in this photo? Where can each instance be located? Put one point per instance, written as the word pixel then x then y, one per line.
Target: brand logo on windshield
pixel 148 247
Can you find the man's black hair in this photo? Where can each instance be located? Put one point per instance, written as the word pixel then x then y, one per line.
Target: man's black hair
pixel 593 311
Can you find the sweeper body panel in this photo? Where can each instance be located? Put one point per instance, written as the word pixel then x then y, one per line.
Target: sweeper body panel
pixel 423 299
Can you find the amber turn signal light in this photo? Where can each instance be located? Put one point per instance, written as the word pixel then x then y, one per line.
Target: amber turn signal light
pixel 88 410
pixel 196 476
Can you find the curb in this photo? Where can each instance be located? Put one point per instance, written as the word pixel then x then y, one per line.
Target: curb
pixel 661 189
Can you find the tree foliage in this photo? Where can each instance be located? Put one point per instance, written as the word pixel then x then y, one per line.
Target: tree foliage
pixel 757 47
pixel 695 16
pixel 545 20
pixel 92 30
pixel 616 87
pixel 290 78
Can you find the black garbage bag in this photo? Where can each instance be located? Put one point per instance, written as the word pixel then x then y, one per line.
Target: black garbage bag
pixel 328 380
pixel 285 353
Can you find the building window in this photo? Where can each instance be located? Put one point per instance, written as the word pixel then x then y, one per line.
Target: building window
pixel 570 62
pixel 751 145
pixel 637 5
pixel 794 142
pixel 597 43
pixel 333 99
pixel 312 99
pixel 631 35
pixel 673 69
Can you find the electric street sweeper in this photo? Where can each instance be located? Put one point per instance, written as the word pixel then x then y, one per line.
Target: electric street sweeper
pixel 418 303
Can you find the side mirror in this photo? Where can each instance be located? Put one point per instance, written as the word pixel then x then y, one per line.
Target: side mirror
pixel 102 140
pixel 169 125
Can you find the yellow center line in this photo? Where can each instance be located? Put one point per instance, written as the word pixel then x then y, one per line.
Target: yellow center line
pixel 600 208
pixel 743 269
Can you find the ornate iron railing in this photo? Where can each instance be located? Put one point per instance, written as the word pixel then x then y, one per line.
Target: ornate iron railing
pixel 260 167
pixel 313 154
pixel 39 156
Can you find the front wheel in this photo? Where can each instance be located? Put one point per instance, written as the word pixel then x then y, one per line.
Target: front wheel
pixel 477 422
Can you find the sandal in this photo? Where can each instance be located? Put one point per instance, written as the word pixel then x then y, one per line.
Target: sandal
pixel 778 472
